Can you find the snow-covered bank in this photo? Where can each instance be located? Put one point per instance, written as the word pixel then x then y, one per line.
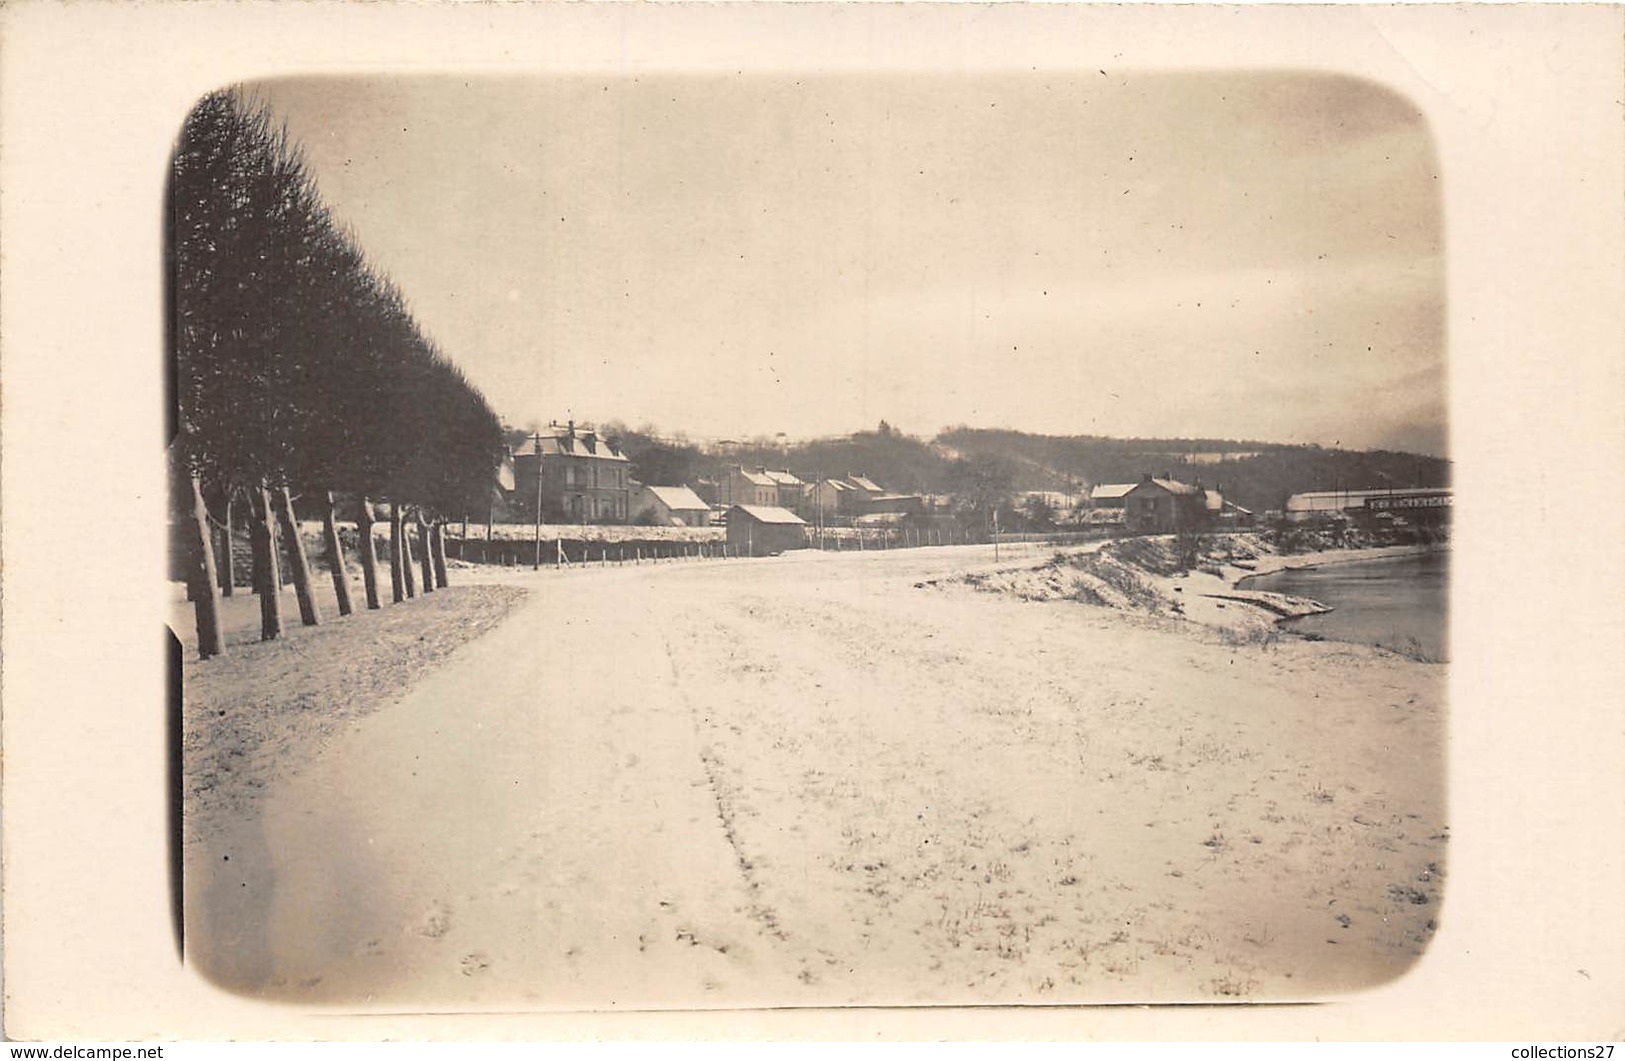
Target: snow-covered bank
pixel 1201 582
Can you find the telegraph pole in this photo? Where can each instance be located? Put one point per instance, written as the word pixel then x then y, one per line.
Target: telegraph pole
pixel 536 444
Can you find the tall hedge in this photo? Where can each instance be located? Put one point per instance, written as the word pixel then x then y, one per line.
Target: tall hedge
pixel 298 367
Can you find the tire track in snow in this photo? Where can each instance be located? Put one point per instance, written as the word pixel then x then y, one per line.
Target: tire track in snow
pixel 759 911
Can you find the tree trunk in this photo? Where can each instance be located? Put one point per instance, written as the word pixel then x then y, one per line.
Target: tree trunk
pixel 298 565
pixel 335 557
pixel 210 642
pixel 228 554
pixel 369 555
pixel 406 560
pixel 437 538
pixel 397 566
pixel 267 579
pixel 426 559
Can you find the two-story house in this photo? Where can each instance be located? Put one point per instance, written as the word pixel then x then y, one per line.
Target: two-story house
pixel 579 476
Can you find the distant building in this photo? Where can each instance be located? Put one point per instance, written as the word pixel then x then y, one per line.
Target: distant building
pixel 792 492
pixel 1416 504
pixel 832 497
pixel 669 506
pixel 867 486
pixel 901 504
pixel 1109 495
pixel 1163 506
pixel 1227 514
pixel 581 477
pixel 864 491
pixel 764 530
pixel 742 486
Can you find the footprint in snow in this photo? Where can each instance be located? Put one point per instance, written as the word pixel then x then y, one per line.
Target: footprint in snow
pixel 435 923
pixel 475 963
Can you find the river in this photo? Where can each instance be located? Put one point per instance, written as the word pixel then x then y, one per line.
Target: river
pixel 1399 602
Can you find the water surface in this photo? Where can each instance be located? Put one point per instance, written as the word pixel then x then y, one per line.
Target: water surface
pixel 1398 602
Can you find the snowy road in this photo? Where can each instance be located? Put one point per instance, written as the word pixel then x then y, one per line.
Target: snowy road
pixel 806 780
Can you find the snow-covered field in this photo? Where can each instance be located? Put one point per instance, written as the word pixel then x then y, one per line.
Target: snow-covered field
pixel 835 778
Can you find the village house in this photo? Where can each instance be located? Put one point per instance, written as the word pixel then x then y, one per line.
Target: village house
pixel 742 486
pixel 1104 506
pixel 764 530
pixel 831 497
pixel 1164 505
pixel 1109 495
pixel 1224 513
pixel 867 488
pixel 580 477
pixel 791 490
pixel 669 506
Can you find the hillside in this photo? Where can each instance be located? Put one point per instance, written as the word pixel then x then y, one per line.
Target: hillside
pixel 1256 475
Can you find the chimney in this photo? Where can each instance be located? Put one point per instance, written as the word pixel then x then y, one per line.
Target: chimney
pixel 572 429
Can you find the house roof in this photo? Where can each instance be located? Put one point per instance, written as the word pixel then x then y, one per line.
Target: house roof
pixel 566 445
pixel 1215 501
pixel 1110 491
pixel 784 478
pixel 837 484
pixel 1173 486
pixel 678 497
pixel 756 478
pixel 864 484
pixel 767 514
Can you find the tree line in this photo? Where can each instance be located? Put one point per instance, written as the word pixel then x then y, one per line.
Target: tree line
pixel 298 371
pixel 987 470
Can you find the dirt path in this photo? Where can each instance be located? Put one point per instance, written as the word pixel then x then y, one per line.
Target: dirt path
pixel 808 780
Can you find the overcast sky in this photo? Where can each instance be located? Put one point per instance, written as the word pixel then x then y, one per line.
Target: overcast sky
pixel 1096 253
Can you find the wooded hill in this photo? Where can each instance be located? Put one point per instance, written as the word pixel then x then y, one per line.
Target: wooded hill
pixel 1255 475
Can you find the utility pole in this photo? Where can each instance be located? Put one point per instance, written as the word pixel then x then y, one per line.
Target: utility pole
pixel 536 444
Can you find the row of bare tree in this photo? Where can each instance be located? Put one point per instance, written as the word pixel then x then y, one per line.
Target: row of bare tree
pixel 298 369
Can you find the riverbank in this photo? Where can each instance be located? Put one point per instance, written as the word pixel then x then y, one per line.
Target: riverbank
pixel 1281 606
pixel 1165 576
pixel 1398 601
